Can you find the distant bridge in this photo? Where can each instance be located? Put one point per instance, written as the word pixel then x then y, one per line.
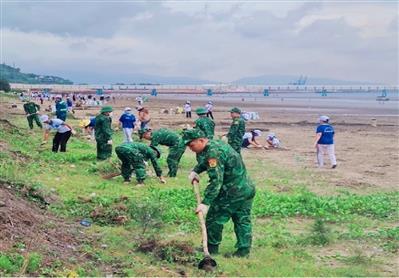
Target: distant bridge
pixel 199 89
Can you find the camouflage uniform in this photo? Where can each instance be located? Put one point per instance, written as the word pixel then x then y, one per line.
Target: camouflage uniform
pixel 61 110
pixel 206 125
pixel 31 110
pixel 176 146
pixel 235 134
pixel 229 193
pixel 103 133
pixel 133 156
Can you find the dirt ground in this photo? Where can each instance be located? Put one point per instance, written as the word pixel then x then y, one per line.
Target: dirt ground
pixel 28 228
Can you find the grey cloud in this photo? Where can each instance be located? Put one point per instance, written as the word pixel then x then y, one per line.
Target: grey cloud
pixel 73 18
pixel 222 45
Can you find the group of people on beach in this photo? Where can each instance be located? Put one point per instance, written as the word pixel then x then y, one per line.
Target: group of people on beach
pixel 230 191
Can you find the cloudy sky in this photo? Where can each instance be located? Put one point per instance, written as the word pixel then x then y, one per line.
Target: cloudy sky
pixel 109 41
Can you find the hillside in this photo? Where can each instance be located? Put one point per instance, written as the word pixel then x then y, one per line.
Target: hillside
pixel 14 75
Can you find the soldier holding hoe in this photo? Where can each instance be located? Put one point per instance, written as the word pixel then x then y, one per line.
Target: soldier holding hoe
pixel 229 194
pixel 31 109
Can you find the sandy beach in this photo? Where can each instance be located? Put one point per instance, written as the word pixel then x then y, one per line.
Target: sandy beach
pixel 368 155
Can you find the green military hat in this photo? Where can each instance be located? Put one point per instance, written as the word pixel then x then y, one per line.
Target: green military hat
pixel 235 110
pixel 191 134
pixel 143 130
pixel 105 109
pixel 201 111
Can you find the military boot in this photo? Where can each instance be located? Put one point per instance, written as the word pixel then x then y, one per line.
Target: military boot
pixel 213 249
pixel 242 252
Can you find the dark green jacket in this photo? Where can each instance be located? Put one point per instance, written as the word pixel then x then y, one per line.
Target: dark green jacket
pixel 146 154
pixel 103 130
pixel 31 107
pixel 165 137
pixel 61 108
pixel 236 132
pixel 228 180
pixel 206 125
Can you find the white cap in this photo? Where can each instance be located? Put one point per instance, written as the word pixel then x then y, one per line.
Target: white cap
pixel 188 101
pixel 257 132
pixel 138 108
pixel 324 119
pixel 209 102
pixel 43 118
pixel 271 135
pixel 128 109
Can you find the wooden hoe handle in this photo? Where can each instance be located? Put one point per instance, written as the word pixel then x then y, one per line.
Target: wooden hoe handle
pixel 201 219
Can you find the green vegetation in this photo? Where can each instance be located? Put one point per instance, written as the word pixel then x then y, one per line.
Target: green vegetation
pixel 152 230
pixel 4 85
pixel 14 263
pixel 14 75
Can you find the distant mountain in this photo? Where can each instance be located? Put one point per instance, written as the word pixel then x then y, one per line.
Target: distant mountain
pixel 289 79
pixel 14 75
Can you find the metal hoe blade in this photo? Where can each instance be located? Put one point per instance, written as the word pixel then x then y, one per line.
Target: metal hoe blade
pixel 207 264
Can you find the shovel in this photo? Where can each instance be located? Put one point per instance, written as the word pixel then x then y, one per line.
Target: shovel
pixel 207 263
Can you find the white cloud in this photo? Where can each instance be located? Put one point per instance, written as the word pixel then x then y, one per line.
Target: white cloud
pixel 371 20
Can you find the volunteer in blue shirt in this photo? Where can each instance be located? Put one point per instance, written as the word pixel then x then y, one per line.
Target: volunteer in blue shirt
pixel 62 136
pixel 127 121
pixel 324 142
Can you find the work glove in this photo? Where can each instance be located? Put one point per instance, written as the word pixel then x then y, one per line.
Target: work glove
pixel 193 177
pixel 162 179
pixel 109 142
pixel 202 208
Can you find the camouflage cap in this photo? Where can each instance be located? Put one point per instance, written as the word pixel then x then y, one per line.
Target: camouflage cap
pixel 192 134
pixel 105 109
pixel 200 111
pixel 235 110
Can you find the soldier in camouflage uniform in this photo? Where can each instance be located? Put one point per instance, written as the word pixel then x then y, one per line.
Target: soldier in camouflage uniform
pixel 237 130
pixel 207 125
pixel 168 138
pixel 133 157
pixel 61 108
pixel 31 110
pixel 103 133
pixel 229 193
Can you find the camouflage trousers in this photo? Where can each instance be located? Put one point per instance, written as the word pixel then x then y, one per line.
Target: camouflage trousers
pixel 34 117
pixel 104 150
pixel 131 160
pixel 239 212
pixel 174 156
pixel 236 145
